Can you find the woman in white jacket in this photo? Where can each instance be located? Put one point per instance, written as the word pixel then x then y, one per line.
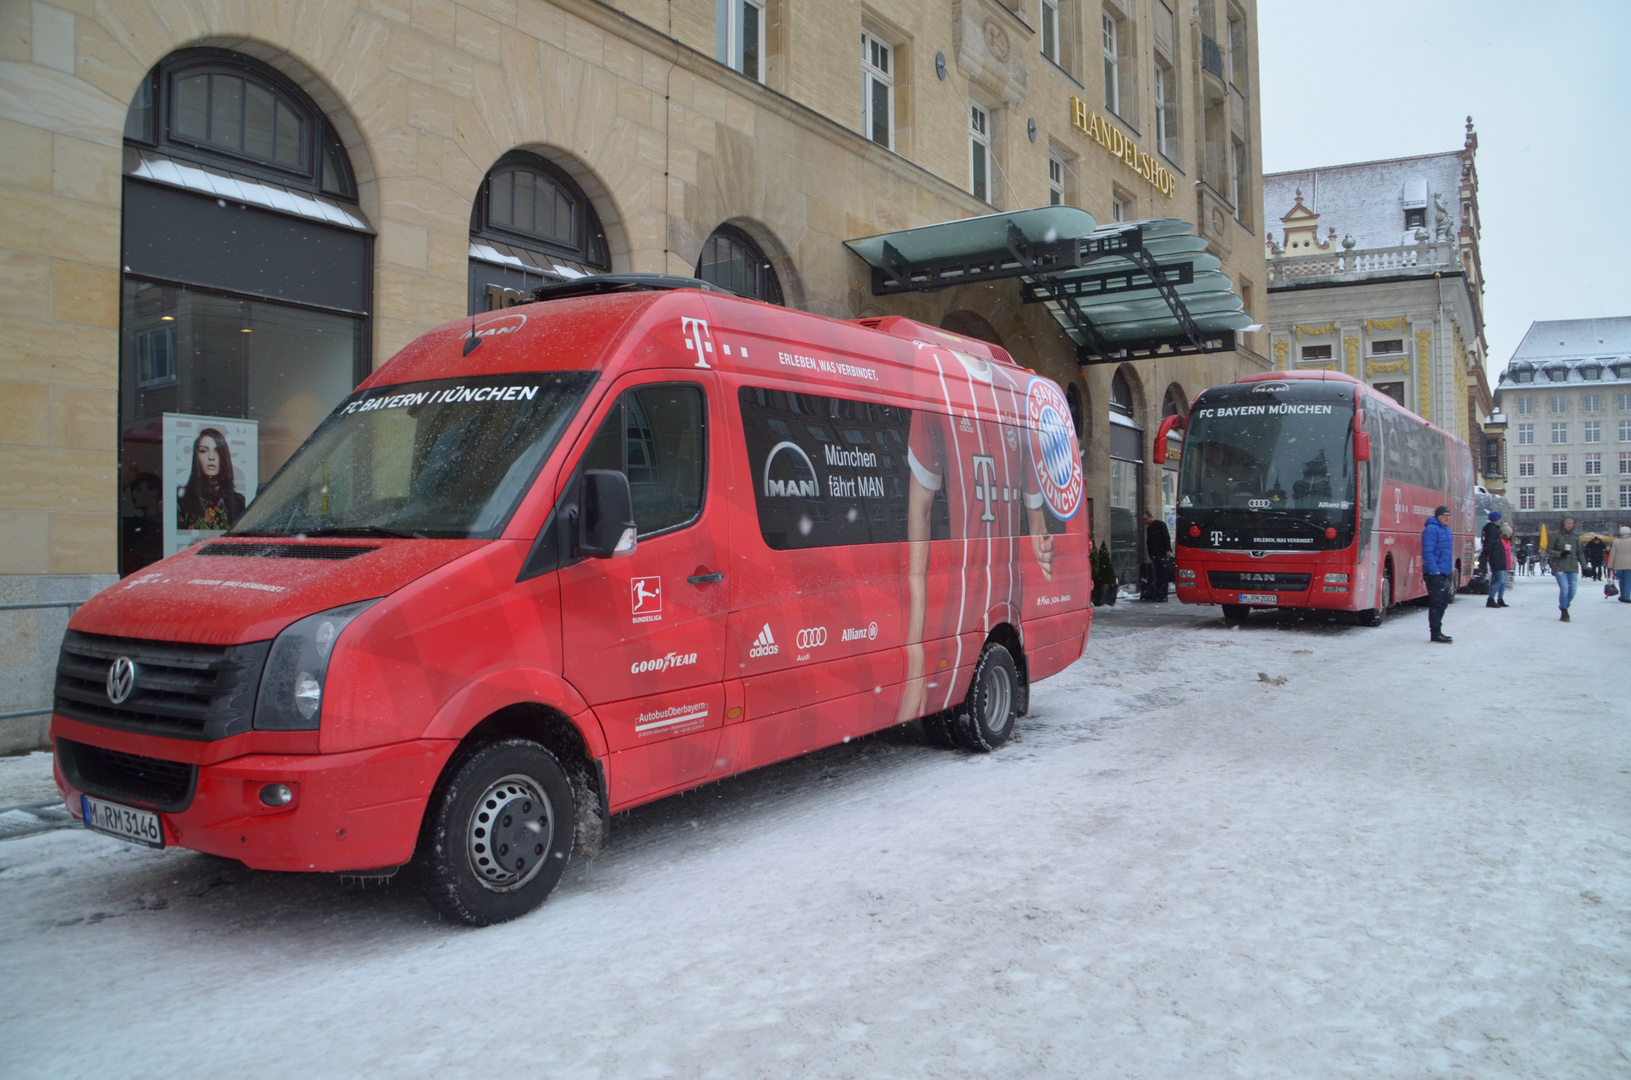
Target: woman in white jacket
pixel 1619 561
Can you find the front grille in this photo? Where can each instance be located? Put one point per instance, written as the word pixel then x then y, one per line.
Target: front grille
pixel 131 778
pixel 286 551
pixel 181 690
pixel 1257 581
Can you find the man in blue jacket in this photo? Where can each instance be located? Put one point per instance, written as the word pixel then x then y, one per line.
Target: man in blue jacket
pixel 1437 564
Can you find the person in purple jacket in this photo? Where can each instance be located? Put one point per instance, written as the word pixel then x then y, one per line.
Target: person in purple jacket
pixel 1437 564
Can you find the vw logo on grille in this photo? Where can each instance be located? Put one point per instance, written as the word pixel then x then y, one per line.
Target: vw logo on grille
pixel 121 680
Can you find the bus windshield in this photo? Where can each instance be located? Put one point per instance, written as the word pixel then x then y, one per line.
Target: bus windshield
pixel 444 458
pixel 1247 449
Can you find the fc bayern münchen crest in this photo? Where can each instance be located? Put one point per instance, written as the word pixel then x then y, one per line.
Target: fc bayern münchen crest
pixel 1053 454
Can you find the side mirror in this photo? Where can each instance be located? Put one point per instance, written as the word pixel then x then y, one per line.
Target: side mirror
pixel 606 528
pixel 1168 423
pixel 1361 446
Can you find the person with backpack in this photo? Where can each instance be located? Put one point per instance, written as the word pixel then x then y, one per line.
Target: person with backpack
pixel 1495 558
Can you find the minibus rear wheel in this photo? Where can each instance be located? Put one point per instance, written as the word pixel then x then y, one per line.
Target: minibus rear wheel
pixel 498 833
pixel 987 717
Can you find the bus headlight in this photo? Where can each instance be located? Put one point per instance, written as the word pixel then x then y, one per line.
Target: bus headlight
pixel 1186 574
pixel 291 691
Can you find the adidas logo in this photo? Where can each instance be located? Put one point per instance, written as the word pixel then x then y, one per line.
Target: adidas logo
pixel 764 644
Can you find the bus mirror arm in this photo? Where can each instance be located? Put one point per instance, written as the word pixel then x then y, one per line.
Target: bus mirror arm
pixel 1167 426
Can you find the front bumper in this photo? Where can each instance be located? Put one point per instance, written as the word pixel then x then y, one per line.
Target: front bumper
pixel 353 811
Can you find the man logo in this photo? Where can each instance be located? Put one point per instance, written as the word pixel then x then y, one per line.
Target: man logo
pixel 504 324
pixel 799 476
pixel 121 680
pixel 1270 388
pixel 764 644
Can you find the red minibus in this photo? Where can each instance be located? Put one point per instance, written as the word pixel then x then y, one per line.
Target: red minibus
pixel 1309 489
pixel 565 558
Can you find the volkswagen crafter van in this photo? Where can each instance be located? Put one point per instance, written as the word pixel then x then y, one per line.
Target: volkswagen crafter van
pixel 568 557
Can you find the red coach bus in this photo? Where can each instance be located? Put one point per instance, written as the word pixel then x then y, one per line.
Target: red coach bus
pixel 1309 489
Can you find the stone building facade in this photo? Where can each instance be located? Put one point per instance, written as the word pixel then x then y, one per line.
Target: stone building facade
pixel 1566 396
pixel 1375 271
pixel 232 211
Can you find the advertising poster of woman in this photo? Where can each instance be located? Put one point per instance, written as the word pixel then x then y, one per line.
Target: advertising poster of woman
pixel 211 471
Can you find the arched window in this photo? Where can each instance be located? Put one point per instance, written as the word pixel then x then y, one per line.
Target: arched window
pixel 245 297
pixel 1173 403
pixel 1078 413
pixel 531 225
pixel 731 260
pixel 216 107
pixel 1121 395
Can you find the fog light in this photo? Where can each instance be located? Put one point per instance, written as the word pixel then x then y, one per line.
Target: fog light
pixel 1337 579
pixel 276 795
pixel 308 694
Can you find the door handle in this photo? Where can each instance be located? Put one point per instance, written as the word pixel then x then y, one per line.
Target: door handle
pixel 705 579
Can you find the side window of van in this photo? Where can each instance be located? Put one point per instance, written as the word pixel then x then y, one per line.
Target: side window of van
pixel 657 437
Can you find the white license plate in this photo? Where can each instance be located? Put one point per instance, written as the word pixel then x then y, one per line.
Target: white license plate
pixel 1259 598
pixel 125 822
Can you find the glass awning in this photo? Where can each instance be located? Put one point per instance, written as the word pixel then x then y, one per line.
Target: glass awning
pixel 1122 291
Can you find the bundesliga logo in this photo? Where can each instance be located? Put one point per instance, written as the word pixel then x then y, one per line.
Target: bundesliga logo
pixel 1058 469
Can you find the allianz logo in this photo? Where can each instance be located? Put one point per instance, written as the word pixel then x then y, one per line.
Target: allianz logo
pixel 868 632
pixel 764 644
pixel 662 663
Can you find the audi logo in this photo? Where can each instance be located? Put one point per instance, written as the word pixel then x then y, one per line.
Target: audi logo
pixel 121 680
pixel 814 636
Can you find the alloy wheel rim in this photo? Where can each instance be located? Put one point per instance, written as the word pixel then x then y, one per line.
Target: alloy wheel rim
pixel 509 834
pixel 999 698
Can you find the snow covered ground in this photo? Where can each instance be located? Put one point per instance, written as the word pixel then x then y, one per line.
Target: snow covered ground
pixel 1407 860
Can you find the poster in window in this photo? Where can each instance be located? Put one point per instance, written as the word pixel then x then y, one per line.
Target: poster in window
pixel 211 468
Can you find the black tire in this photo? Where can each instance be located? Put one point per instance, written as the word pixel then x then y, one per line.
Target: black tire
pixel 1235 614
pixel 986 717
pixel 1376 616
pixel 508 801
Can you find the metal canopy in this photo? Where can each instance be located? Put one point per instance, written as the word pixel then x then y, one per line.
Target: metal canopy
pixel 1125 291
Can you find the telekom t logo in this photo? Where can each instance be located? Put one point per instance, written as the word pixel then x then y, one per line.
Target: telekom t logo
pixel 985 483
pixel 697 338
pixel 1217 538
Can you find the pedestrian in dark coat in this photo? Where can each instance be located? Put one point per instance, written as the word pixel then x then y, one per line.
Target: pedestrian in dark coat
pixel 1158 546
pixel 1437 564
pixel 1564 554
pixel 1495 558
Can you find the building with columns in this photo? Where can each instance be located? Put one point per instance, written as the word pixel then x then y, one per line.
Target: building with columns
pixel 1374 270
pixel 225 214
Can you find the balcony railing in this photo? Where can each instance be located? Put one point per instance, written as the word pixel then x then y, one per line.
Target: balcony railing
pixel 1357 265
pixel 1211 56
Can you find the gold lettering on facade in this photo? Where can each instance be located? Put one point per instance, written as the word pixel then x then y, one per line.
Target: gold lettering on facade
pixel 1110 137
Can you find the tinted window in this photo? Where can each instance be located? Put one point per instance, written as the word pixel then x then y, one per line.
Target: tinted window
pixel 656 436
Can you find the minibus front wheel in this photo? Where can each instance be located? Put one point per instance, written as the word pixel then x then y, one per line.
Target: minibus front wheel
pixel 498 833
pixel 987 717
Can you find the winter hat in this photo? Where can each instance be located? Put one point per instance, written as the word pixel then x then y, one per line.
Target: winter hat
pixel 1495 515
pixel 1441 511
pixel 1625 530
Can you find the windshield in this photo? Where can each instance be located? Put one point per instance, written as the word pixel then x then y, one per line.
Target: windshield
pixel 445 458
pixel 1247 449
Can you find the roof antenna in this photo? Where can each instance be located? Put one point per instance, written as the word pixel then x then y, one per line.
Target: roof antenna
pixel 472 341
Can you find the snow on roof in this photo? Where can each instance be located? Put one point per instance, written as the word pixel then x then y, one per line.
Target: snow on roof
pixel 1367 200
pixel 1571 339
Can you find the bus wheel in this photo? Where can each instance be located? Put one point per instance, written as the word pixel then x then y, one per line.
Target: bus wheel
pixel 1235 614
pixel 498 833
pixel 1376 616
pixel 987 718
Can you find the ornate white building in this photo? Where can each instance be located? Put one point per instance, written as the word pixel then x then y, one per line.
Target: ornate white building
pixel 1375 271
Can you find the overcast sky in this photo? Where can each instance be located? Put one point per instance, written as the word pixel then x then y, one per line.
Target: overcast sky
pixel 1549 89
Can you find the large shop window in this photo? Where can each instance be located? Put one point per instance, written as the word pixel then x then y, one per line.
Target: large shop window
pixel 531 225
pixel 731 260
pixel 244 315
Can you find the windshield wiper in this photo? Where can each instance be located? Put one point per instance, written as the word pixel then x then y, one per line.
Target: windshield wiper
pixel 366 530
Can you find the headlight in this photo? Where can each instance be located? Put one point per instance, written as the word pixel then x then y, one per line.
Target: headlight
pixel 291 692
